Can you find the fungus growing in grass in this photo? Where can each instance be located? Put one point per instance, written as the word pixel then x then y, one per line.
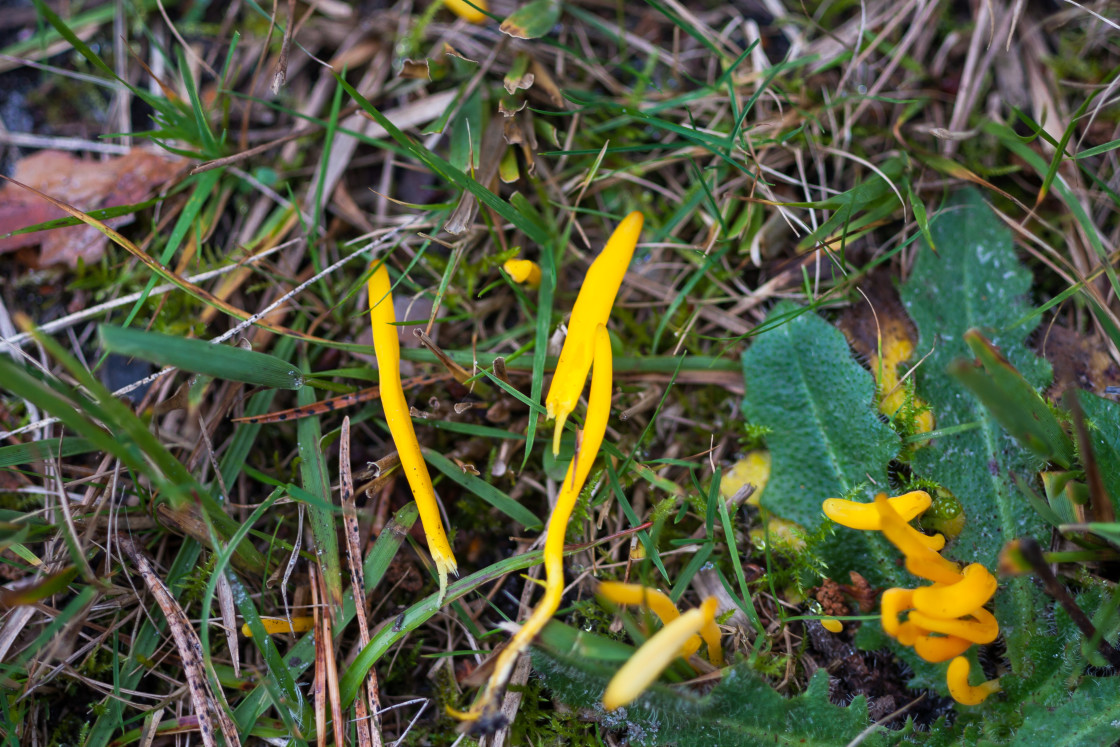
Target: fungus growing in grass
pixel 388 349
pixel 524 271
pixel 594 428
pixel 865 516
pixel 981 628
pixel 936 649
pixel 832 625
pixel 468 11
pixel 961 598
pixel 964 693
pixel 651 658
pixel 592 309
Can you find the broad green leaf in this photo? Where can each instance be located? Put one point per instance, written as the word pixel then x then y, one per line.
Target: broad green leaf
pixel 1088 719
pixel 1014 403
pixel 975 281
pixel 742 711
pixel 198 356
pixel 483 490
pixel 825 440
pixel 1103 422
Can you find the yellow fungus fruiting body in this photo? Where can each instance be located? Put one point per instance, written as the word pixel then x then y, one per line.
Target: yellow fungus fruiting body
pixel 964 693
pixel 655 600
pixel 936 649
pixel 651 658
pixel 524 271
pixel 893 603
pixel 961 598
pixel 592 309
pixel 866 517
pixel 832 625
pixel 277 625
pixel 921 560
pixel 466 11
pixel 752 469
pixel 387 347
pixel 982 628
pixel 594 428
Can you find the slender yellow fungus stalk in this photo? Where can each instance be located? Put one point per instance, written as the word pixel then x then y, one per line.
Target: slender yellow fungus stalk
pixel 657 601
pixel 936 649
pixel 465 10
pixel 277 625
pixel 650 660
pixel 964 693
pixel 961 598
pixel 594 428
pixel 711 635
pixel 592 308
pixel 982 628
pixel 832 625
pixel 524 271
pixel 388 349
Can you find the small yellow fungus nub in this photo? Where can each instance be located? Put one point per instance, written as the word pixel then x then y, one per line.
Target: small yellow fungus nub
pixel 832 625
pixel 964 693
pixel 961 598
pixel 753 469
pixel 388 349
pixel 524 271
pixel 466 10
pixel 277 625
pixel 650 660
pixel 893 603
pixel 592 308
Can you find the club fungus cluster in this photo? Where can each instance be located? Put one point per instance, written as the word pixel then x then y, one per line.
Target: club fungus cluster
pixel 944 619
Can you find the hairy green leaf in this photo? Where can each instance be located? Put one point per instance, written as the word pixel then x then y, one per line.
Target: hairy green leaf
pixel 825 439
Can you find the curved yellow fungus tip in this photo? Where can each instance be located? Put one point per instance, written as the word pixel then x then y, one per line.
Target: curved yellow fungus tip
pixel 964 693
pixel 961 598
pixel 921 560
pixel 656 601
pixel 650 660
pixel 592 308
pixel 832 625
pixel 466 10
pixel 865 516
pixel 277 625
pixel 594 428
pixel 893 603
pixel 524 271
pixel 387 347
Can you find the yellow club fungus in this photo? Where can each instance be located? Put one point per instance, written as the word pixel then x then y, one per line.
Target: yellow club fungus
pixel 866 517
pixel 468 11
pixel 893 603
pixel 524 271
pixel 594 428
pixel 921 560
pixel 936 649
pixel 964 693
pixel 961 598
pixel 655 600
pixel 832 625
pixel 387 346
pixel 650 660
pixel 592 309
pixel 278 625
pixel 982 628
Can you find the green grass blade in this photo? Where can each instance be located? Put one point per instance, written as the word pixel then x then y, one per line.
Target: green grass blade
pixel 313 474
pixel 483 490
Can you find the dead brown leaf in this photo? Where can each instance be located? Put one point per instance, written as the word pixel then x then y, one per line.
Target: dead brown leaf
pixel 87 185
